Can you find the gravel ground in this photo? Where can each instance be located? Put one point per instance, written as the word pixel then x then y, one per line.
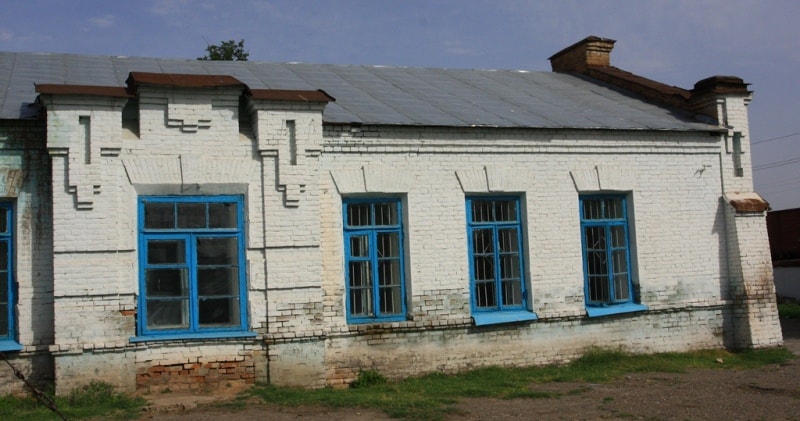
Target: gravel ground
pixel 767 393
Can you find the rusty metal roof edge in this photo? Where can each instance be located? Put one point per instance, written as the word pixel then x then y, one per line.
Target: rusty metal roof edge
pixel 82 90
pixel 291 95
pixel 178 80
pixel 747 202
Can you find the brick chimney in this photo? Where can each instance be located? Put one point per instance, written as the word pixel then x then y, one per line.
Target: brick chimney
pixel 706 92
pixel 591 51
pixel 592 57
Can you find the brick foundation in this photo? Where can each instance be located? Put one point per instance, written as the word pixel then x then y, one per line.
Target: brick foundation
pixel 195 376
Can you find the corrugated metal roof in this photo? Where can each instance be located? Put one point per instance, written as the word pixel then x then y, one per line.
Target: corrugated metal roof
pixel 372 94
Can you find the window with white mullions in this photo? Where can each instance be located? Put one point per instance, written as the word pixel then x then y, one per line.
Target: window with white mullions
pixel 606 251
pixel 192 259
pixel 374 271
pixel 495 248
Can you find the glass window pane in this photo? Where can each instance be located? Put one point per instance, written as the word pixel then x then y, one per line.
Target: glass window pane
pixel 207 293
pixel 218 281
pixel 595 238
pixel 390 301
pixel 389 272
pixel 373 247
pixel 4 330
pixel 620 262
pixel 217 251
pixel 512 293
pixel 360 274
pixel 483 241
pixel 4 220
pixel 159 215
pixel 162 252
pixel 4 288
pixel 606 250
pixel 219 312
pixel 3 255
pixel 166 283
pixel 359 246
pixel 508 241
pixel 388 244
pixel 484 267
pixel 485 294
pixel 191 215
pixel 614 208
pixel 361 302
pixel 386 214
pixel 598 288
pixel 618 236
pixel 597 264
pixel 505 210
pixel 482 211
pixel 621 290
pixel 358 214
pixel 509 266
pixel 590 209
pixel 222 215
pixel 360 284
pixel 167 314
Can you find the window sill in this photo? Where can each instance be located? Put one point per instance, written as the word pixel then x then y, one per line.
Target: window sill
pixel 615 309
pixel 499 317
pixel 375 320
pixel 7 345
pixel 192 336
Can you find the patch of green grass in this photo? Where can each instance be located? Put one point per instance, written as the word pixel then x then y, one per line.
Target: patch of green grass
pixel 433 396
pixel 96 399
pixel 23 409
pixel 368 378
pixel 789 310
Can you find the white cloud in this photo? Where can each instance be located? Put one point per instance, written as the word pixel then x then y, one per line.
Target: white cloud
pixel 5 35
pixel 189 7
pixel 105 21
pixel 457 49
pixel 167 7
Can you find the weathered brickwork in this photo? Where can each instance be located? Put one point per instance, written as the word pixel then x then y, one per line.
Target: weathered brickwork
pixel 400 353
pixel 674 184
pixel 25 182
pixel 195 366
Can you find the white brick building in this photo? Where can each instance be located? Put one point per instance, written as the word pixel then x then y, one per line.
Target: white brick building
pixel 185 224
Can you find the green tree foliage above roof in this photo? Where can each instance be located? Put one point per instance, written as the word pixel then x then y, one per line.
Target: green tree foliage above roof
pixel 227 51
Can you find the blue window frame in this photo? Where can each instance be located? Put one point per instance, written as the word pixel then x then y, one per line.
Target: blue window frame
pixel 374 260
pixel 7 286
pixel 496 265
pixel 606 255
pixel 191 261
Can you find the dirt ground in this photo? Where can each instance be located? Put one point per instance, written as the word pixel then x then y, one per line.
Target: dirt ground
pixel 768 393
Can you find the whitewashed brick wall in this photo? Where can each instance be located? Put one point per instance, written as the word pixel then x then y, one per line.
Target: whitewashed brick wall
pixel 25 180
pixel 190 142
pixel 677 247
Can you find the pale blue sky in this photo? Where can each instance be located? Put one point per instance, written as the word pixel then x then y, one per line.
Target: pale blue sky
pixel 673 41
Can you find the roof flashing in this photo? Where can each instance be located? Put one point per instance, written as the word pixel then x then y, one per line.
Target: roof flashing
pixel 81 90
pixel 177 80
pixel 290 95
